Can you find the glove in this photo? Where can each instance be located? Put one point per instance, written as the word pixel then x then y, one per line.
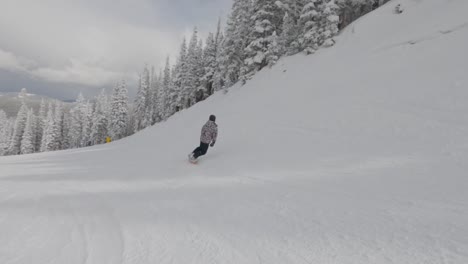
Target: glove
pixel 212 144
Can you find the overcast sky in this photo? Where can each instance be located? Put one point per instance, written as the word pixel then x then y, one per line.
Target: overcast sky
pixel 59 47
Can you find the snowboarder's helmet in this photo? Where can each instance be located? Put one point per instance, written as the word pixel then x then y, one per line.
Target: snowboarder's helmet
pixel 212 118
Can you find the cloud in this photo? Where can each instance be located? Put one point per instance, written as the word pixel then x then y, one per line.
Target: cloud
pixel 76 73
pixel 96 43
pixel 10 62
pixel 80 73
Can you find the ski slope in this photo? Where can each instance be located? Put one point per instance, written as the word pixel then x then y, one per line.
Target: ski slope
pixel 357 154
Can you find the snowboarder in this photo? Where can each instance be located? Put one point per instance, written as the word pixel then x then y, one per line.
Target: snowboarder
pixel 209 133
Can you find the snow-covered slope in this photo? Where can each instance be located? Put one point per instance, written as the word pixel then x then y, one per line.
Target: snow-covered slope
pixel 358 154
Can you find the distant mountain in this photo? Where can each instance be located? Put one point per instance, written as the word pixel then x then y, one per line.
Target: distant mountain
pixel 11 102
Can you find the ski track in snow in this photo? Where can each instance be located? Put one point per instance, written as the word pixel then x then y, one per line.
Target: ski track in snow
pixel 432 36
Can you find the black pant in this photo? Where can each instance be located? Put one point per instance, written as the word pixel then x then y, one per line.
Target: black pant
pixel 201 150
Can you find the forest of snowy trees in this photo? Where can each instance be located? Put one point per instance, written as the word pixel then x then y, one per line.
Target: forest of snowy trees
pixel 257 33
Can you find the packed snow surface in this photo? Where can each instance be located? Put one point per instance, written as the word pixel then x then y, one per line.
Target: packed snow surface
pixel 357 154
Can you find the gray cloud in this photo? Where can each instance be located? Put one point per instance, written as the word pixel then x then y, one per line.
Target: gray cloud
pixel 95 43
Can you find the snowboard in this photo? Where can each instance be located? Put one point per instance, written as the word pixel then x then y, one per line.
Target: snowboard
pixel 193 161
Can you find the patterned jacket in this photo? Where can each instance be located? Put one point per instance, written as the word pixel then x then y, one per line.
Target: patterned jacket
pixel 209 132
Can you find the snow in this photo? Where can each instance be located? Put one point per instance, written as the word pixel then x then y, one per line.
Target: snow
pixel 356 154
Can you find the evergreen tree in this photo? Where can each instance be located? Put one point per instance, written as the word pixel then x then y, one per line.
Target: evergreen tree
pixel 294 8
pixel 164 91
pixel 66 125
pixel 130 121
pixel 155 87
pixel 40 122
pixel 86 140
pixel 58 127
pixel 212 78
pixel 6 127
pixel 175 98
pixel 273 51
pixel 237 37
pixel 100 120
pixel 20 125
pixel 34 128
pixel 310 28
pixel 263 48
pixel 288 39
pixel 218 81
pixel 119 111
pixel 210 63
pixel 53 129
pixel 146 85
pixel 190 81
pixel 329 23
pixel 27 143
pixel 199 72
pixel 139 107
pixel 77 116
pixel 142 108
pixel 48 137
pixel 151 113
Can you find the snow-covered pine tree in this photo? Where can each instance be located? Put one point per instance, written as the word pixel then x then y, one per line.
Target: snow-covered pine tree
pixel 309 26
pixel 164 91
pixel 199 71
pixel 100 122
pixel 190 80
pixel 6 127
pixel 53 129
pixel 149 113
pixel 20 125
pixel 236 39
pixel 48 136
pixel 212 79
pixel 58 127
pixel 146 85
pixel 130 121
pixel 273 52
pixel 27 143
pixel 34 129
pixel 175 97
pixel 66 125
pixel 86 139
pixel 288 39
pixel 3 142
pixel 161 95
pixel 139 107
pixel 290 28
pixel 40 121
pixel 142 100
pixel 263 49
pixel 328 23
pixel 217 78
pixel 119 111
pixel 77 116
pixel 155 86
pixel 294 8
pixel 210 63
